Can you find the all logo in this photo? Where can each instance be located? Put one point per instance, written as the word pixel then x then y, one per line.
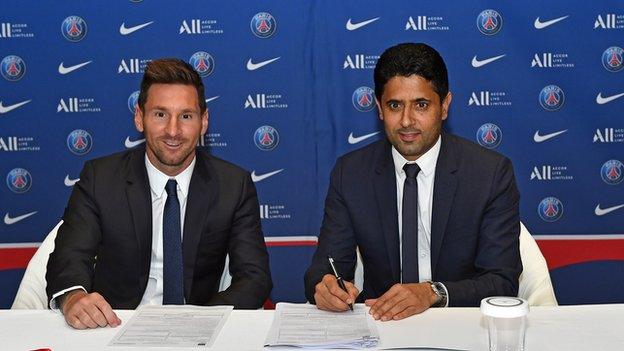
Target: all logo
pixel 360 61
pixel 200 26
pixel 488 98
pixel 15 30
pixel 263 25
pixel 265 101
pixel 274 212
pixel 363 99
pixel 19 180
pixel 79 142
pixel 551 98
pixel 75 104
pixel 489 135
pixel 12 68
pixel 550 209
pixel 611 172
pixel 203 63
pixel 549 172
pixel 609 21
pixel 74 28
pixel 489 22
pixel 133 100
pixel 551 60
pixel 426 23
pixel 609 135
pixel 134 65
pixel 612 59
pixel 266 138
pixel 15 143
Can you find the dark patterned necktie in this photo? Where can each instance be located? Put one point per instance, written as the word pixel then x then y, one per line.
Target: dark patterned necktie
pixel 173 285
pixel 409 240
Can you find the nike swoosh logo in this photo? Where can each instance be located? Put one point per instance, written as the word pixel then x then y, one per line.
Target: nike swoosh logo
pixel 354 140
pixel 478 63
pixel 598 211
pixel 123 30
pixel 540 138
pixel 212 98
pixel 353 26
pixel 70 182
pixel 64 70
pixel 5 109
pixel 130 143
pixel 256 178
pixel 541 25
pixel 600 100
pixel 8 220
pixel 254 66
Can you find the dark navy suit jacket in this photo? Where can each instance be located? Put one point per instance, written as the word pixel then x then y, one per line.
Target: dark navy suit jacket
pixel 474 228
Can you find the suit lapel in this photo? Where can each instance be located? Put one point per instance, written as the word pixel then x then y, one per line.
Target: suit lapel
pixel 444 188
pixel 385 192
pixel 202 192
pixel 140 203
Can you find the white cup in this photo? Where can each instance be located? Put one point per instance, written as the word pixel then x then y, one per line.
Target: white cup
pixel 506 321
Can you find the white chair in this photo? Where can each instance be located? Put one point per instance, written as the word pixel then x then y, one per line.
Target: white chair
pixel 32 290
pixel 535 284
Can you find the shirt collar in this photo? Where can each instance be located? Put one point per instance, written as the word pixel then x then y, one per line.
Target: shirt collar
pixel 158 179
pixel 427 162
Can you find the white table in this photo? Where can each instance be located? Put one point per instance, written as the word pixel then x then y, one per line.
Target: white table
pixel 590 327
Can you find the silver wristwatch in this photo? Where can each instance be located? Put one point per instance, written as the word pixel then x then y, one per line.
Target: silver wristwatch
pixel 440 292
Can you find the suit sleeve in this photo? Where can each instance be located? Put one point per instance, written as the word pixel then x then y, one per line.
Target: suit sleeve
pixel 75 247
pixel 336 238
pixel 249 260
pixel 497 262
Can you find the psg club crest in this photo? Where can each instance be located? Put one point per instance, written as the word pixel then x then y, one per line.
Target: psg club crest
pixel 266 138
pixel 203 63
pixel 79 142
pixel 133 100
pixel 551 98
pixel 74 28
pixel 611 172
pixel 19 180
pixel 363 99
pixel 12 68
pixel 612 59
pixel 550 209
pixel 489 22
pixel 489 135
pixel 263 25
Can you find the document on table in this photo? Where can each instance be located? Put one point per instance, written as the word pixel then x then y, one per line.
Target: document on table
pixel 307 326
pixel 182 326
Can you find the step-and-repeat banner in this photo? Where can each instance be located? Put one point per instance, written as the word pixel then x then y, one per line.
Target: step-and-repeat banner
pixel 289 88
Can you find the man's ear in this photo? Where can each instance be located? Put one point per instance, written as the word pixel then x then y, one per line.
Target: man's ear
pixel 446 103
pixel 138 119
pixel 379 111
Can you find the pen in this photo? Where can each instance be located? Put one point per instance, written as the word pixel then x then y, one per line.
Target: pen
pixel 338 277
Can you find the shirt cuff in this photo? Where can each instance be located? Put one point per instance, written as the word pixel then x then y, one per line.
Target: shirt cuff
pixel 53 303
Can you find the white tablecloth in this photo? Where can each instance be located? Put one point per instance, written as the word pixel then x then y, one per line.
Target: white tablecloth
pixel 590 327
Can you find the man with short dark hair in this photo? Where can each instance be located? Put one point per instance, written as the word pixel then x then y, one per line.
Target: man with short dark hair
pixel 434 216
pixel 154 225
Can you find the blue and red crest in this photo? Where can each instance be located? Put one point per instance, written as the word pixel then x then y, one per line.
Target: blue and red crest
pixel 263 25
pixel 551 98
pixel 489 135
pixel 611 172
pixel 203 63
pixel 79 142
pixel 612 59
pixel 363 99
pixel 12 68
pixel 266 138
pixel 550 209
pixel 133 99
pixel 74 28
pixel 489 22
pixel 19 180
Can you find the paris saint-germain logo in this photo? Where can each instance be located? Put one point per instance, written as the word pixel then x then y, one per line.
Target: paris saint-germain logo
pixel 363 99
pixel 263 25
pixel 19 180
pixel 489 22
pixel 74 28
pixel 550 209
pixel 489 135
pixel 612 59
pixel 266 138
pixel 203 63
pixel 611 172
pixel 551 98
pixel 13 68
pixel 133 99
pixel 79 142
